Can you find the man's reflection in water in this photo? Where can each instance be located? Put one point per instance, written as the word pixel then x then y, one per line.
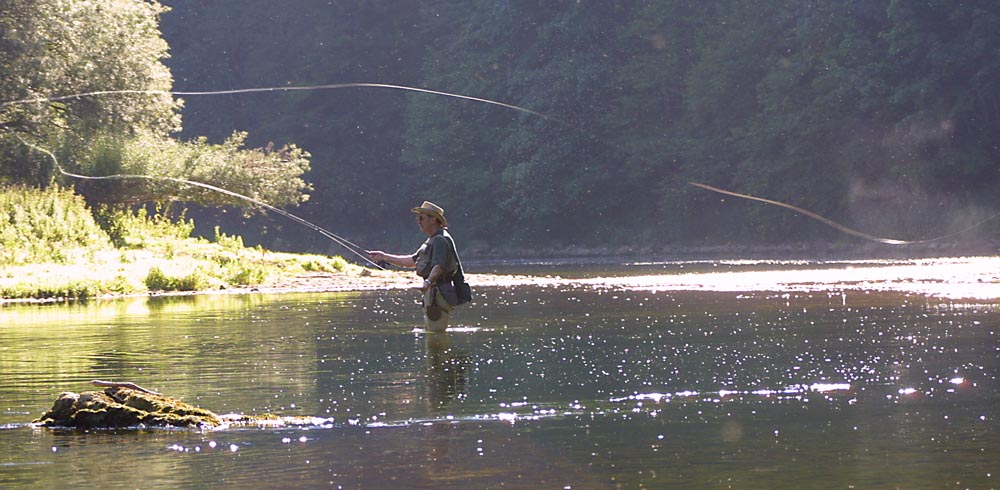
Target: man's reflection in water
pixel 446 371
pixel 446 381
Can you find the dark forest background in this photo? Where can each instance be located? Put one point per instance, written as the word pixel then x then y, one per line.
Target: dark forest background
pixel 881 114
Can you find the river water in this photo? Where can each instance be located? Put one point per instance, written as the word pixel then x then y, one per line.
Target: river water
pixel 556 385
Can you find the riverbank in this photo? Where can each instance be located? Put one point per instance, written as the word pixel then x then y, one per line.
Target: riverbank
pixel 948 277
pixel 67 256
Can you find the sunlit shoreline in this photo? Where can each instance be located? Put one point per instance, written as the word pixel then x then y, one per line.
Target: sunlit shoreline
pixel 974 278
pixel 952 278
pixel 955 278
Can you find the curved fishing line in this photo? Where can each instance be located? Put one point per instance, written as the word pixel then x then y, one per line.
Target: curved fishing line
pixel 824 220
pixel 838 226
pixel 332 236
pixel 339 240
pixel 331 86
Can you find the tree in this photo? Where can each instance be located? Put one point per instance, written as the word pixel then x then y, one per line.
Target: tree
pixel 946 93
pixel 354 135
pixel 50 49
pixel 549 176
pixel 871 112
pixel 112 53
pixel 270 175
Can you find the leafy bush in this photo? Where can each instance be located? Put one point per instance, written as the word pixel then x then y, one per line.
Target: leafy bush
pixel 229 243
pixel 323 264
pixel 248 274
pixel 138 229
pixel 45 226
pixel 73 290
pixel 120 285
pixel 150 168
pixel 194 281
pixel 157 280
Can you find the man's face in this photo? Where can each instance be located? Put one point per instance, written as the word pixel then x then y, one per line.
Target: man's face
pixel 425 222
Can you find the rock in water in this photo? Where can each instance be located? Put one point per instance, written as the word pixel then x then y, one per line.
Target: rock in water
pixel 119 407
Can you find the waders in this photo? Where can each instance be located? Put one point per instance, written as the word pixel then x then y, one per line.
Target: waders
pixel 437 311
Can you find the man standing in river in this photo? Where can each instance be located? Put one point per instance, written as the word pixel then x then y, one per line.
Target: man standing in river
pixel 436 261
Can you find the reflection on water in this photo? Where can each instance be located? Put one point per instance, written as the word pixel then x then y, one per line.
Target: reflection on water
pixel 446 371
pixel 555 386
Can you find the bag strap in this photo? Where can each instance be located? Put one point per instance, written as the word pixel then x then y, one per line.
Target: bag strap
pixel 459 272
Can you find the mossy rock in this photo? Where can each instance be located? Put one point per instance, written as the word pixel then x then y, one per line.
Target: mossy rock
pixel 120 407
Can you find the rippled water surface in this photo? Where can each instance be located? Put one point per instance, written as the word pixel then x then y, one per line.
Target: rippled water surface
pixel 536 387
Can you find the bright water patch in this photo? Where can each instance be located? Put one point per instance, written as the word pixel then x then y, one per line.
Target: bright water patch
pixel 551 386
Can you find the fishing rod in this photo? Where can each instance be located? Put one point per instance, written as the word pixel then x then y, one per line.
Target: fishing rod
pixel 354 248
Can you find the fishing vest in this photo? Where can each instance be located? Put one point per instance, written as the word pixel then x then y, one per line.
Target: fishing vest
pixel 425 254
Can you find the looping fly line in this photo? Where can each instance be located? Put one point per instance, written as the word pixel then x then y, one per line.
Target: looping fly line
pixel 332 236
pixel 834 224
pixel 347 244
pixel 330 86
pixel 354 248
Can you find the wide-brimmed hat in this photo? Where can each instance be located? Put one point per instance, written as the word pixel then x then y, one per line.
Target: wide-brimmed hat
pixel 431 209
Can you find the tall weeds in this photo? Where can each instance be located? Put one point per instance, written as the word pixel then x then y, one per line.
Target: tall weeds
pixel 51 225
pixel 51 246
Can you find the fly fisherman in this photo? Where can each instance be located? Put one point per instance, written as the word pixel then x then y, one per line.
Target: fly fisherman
pixel 436 261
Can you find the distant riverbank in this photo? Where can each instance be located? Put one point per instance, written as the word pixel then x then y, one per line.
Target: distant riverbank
pixel 950 277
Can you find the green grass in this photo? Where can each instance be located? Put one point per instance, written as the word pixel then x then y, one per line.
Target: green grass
pixel 54 248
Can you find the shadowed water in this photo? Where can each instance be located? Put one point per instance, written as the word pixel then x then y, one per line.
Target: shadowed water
pixel 554 386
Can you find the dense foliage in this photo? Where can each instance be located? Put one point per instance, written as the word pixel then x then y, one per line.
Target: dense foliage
pixel 881 114
pixel 51 48
pixel 112 50
pixel 52 247
pixel 48 226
